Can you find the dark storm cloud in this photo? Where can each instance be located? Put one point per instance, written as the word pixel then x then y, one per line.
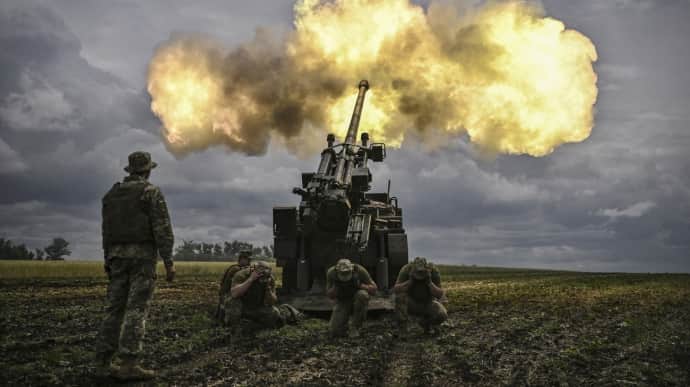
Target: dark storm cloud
pixel 67 130
pixel 10 161
pixel 72 107
pixel 120 36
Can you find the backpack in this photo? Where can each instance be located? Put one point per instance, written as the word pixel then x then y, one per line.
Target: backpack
pixel 225 285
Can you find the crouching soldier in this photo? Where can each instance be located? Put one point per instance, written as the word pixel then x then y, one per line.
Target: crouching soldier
pixel 224 299
pixel 417 293
pixel 350 285
pixel 253 296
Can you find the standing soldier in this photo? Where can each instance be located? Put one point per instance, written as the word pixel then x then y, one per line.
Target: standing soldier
pixel 136 229
pixel 418 291
pixel 350 285
pixel 224 299
pixel 253 296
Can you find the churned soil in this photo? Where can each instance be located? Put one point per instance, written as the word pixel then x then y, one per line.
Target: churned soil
pixel 505 327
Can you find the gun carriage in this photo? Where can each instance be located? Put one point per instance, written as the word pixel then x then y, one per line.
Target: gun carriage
pixel 339 218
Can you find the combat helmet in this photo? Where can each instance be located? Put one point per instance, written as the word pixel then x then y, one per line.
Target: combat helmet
pixel 421 269
pixel 264 269
pixel 343 269
pixel 246 254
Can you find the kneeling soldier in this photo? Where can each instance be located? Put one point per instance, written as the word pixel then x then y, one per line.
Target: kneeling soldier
pixel 418 289
pixel 224 299
pixel 350 285
pixel 254 297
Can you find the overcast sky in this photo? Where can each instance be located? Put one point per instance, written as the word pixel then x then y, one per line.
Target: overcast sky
pixel 73 106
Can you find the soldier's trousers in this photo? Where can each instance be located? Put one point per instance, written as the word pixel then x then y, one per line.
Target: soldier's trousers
pixel 357 308
pixel 225 306
pixel 131 286
pixel 431 313
pixel 265 316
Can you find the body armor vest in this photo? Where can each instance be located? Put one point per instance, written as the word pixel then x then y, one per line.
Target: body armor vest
pixel 419 291
pixel 126 215
pixel 347 289
pixel 255 295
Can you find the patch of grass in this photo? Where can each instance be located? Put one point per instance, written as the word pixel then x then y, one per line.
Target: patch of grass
pixel 94 269
pixel 50 269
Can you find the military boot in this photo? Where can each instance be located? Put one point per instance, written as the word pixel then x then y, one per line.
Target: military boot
pixel 131 370
pixel 426 326
pixel 403 326
pixel 430 329
pixel 103 359
pixel 103 362
pixel 292 314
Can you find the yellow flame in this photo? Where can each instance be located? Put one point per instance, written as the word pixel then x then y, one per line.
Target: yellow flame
pixel 350 33
pixel 515 81
pixel 532 90
pixel 373 122
pixel 546 88
pixel 185 91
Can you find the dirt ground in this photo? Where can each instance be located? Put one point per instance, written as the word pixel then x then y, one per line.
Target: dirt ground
pixel 506 327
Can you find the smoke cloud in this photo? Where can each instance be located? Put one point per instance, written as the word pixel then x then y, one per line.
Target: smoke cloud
pixel 515 81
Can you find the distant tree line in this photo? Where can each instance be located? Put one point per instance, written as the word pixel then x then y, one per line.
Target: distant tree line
pixel 225 251
pixel 53 252
pixel 188 251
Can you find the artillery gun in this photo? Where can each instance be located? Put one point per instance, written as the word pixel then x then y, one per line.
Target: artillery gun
pixel 338 218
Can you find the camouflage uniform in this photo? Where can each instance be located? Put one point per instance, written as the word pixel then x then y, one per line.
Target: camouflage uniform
pixel 224 299
pixel 257 304
pixel 350 299
pixel 418 300
pixel 129 293
pixel 132 265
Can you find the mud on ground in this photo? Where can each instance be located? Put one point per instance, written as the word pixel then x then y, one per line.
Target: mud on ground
pixel 506 327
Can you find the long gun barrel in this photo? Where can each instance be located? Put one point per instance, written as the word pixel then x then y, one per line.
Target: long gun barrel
pixel 339 217
pixel 357 113
pixel 341 169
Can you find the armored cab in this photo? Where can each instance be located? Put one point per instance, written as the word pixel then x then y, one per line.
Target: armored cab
pixel 339 218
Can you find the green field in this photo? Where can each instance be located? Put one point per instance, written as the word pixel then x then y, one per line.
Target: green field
pixel 13 270
pixel 506 327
